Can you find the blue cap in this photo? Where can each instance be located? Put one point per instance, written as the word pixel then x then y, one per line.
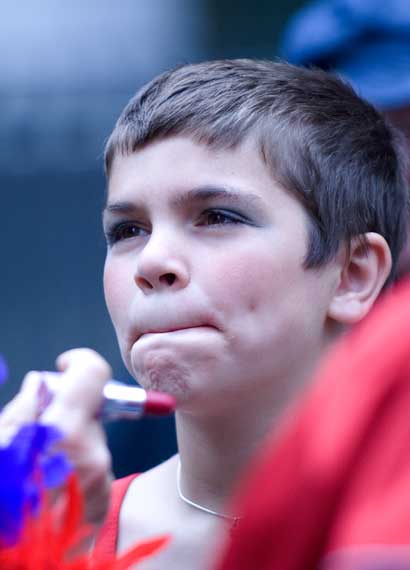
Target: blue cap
pixel 365 41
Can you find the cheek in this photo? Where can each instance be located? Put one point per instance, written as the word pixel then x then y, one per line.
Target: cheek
pixel 259 295
pixel 113 290
pixel 244 284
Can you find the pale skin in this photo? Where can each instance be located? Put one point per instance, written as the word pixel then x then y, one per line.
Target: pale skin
pixel 205 285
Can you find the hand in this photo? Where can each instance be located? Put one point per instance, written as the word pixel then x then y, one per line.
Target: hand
pixel 73 410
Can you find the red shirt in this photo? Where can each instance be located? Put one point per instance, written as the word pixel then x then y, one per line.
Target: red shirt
pixel 332 487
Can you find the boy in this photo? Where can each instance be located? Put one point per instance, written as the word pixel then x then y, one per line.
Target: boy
pixel 254 212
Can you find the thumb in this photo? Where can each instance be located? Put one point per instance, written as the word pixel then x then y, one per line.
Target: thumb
pixel 80 392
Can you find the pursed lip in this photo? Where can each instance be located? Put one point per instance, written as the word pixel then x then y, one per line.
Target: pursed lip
pixel 159 330
pixel 167 326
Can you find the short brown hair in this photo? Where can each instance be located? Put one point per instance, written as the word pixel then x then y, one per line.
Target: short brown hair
pixel 334 151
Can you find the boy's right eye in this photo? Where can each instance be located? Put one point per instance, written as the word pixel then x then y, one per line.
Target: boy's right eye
pixel 124 231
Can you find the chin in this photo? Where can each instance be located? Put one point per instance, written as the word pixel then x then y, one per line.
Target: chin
pixel 164 375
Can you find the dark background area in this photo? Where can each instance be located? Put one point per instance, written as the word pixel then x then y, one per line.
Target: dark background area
pixel 66 71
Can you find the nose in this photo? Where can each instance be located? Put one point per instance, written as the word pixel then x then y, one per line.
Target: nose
pixel 161 265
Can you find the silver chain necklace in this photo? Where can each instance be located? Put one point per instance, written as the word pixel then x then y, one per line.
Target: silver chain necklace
pixel 233 520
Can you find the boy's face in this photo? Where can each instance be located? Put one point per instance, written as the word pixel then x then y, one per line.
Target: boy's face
pixel 204 277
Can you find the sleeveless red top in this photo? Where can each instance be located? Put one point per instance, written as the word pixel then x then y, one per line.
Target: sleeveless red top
pixel 106 543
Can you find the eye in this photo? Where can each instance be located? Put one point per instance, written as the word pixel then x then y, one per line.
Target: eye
pixel 124 231
pixel 220 217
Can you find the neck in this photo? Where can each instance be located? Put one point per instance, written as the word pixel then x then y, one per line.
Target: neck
pixel 215 450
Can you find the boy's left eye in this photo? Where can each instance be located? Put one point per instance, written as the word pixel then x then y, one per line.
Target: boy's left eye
pixel 220 217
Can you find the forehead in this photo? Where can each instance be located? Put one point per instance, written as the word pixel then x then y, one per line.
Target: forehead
pixel 174 166
pixel 180 156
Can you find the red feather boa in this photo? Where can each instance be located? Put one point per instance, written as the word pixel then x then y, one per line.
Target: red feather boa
pixel 52 540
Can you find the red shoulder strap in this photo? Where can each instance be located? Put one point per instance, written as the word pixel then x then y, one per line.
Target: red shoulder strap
pixel 106 543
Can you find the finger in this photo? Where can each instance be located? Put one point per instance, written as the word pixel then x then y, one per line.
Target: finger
pixel 73 410
pixel 89 454
pixel 93 463
pixel 79 397
pixel 22 409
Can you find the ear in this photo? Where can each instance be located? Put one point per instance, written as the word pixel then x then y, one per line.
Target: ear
pixel 364 270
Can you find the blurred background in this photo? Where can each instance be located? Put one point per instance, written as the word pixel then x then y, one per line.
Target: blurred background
pixel 66 71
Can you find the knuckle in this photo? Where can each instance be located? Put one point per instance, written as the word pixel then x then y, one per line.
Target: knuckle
pixel 30 386
pixel 32 377
pixel 90 456
pixel 21 409
pixel 7 433
pixel 7 411
pixel 86 359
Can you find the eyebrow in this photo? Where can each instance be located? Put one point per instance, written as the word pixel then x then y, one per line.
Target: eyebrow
pixel 200 194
